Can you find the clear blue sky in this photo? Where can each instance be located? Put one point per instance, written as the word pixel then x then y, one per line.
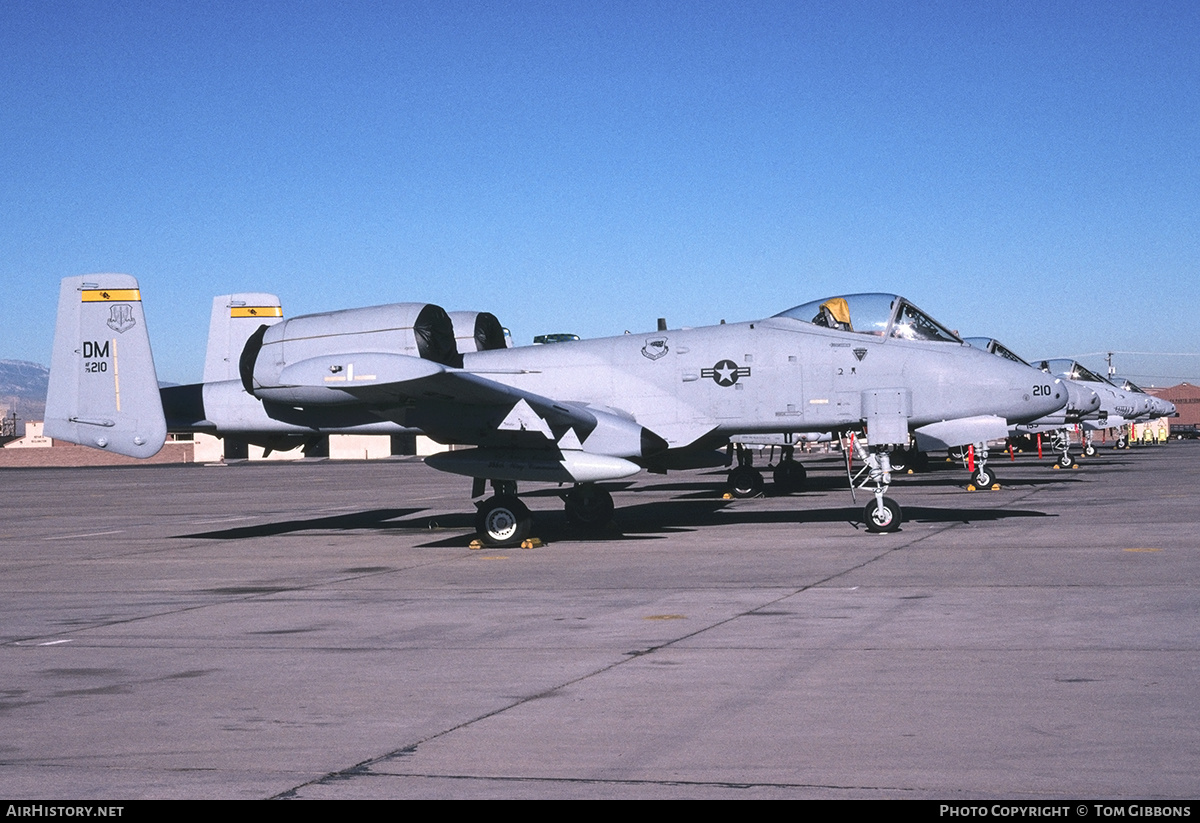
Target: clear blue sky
pixel 1026 170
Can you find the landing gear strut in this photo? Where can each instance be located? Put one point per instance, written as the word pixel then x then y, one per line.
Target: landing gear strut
pixel 982 477
pixel 882 514
pixel 1060 441
pixel 1089 449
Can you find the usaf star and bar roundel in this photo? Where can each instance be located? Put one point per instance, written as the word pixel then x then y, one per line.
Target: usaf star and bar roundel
pixel 726 372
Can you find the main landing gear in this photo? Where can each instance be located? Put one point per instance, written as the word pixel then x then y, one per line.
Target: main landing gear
pixel 743 480
pixel 589 506
pixel 503 520
pixel 909 459
pixel 883 514
pixel 789 475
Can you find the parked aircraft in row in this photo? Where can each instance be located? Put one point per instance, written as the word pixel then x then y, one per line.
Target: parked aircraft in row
pixel 1093 402
pixel 580 412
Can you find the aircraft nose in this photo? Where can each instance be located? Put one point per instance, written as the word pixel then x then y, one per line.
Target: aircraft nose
pixel 1081 400
pixel 1038 394
pixel 1058 397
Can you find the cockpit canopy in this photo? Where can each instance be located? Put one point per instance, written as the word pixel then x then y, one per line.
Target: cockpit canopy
pixel 1071 370
pixel 881 315
pixel 994 346
pixel 1127 385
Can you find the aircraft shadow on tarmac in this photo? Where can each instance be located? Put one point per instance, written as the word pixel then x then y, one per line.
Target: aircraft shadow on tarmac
pixel 371 519
pixel 692 506
pixel 658 520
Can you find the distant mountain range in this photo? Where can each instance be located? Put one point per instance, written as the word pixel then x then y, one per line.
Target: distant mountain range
pixel 23 388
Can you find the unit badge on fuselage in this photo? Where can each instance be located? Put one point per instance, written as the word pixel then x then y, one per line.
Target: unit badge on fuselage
pixel 655 347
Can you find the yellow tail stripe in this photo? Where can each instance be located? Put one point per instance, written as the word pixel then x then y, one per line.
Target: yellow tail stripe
pixel 256 311
pixel 108 295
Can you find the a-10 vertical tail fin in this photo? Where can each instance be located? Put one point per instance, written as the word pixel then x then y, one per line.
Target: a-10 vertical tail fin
pixel 235 317
pixel 103 388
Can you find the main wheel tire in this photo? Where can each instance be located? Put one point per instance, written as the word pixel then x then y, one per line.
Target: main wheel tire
pixel 589 506
pixel 745 481
pixel 503 520
pixel 1089 450
pixel 788 477
pixel 887 519
pixel 1065 461
pixel 983 477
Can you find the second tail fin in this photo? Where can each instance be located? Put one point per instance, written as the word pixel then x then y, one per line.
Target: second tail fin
pixel 234 318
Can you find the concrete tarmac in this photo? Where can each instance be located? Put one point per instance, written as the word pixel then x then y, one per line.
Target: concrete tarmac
pixel 322 630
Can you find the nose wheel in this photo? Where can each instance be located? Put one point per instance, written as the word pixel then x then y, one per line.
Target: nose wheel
pixel 982 477
pixel 1061 442
pixel 883 515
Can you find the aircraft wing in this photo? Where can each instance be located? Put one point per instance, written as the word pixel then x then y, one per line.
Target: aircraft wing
pixel 453 405
pixel 961 432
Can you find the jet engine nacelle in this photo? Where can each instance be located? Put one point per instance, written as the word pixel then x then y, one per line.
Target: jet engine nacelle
pixel 477 331
pixel 413 330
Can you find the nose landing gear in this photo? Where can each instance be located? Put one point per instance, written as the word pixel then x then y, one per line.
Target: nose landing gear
pixel 882 514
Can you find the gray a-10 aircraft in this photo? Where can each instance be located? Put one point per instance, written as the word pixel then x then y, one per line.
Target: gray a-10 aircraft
pixel 1118 407
pixel 579 412
pixel 1093 403
pixel 1082 402
pixel 1155 406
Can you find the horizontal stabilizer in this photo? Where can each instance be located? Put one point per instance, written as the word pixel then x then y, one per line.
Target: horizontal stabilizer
pixel 961 432
pixel 103 388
